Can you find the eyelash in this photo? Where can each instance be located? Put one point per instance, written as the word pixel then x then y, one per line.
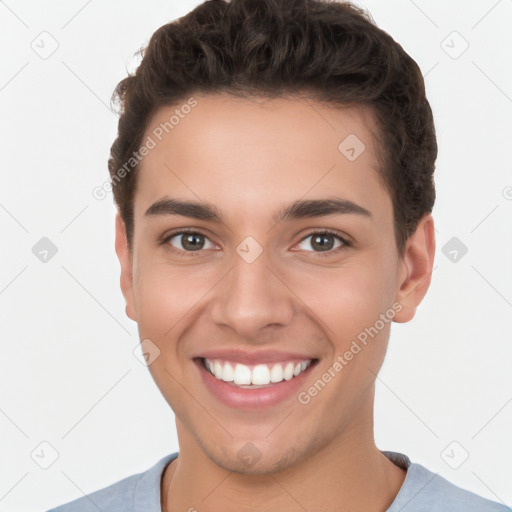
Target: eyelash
pixel 327 231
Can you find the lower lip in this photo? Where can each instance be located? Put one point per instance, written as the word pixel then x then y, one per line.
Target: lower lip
pixel 255 398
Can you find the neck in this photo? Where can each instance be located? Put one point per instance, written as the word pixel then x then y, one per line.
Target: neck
pixel 348 474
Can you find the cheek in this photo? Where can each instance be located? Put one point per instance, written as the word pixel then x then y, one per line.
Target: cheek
pixel 347 299
pixel 167 301
pixel 166 294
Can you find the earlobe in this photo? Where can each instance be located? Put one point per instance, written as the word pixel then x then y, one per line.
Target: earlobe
pixel 125 260
pixel 416 269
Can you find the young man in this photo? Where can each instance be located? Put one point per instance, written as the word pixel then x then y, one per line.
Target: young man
pixel 273 174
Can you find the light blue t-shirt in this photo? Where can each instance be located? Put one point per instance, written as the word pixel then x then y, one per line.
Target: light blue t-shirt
pixel 422 491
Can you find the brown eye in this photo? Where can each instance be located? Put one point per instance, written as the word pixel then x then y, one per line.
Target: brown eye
pixel 322 242
pixel 189 241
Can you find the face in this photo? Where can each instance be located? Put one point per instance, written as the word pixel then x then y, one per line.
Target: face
pixel 288 262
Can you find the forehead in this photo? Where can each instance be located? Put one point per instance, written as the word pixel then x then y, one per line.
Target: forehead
pixel 255 153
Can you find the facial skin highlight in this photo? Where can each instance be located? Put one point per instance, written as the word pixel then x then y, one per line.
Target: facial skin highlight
pixel 250 159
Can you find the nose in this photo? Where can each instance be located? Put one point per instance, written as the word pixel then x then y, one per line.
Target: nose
pixel 252 299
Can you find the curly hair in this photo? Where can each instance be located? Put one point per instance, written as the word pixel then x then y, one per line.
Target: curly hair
pixel 331 52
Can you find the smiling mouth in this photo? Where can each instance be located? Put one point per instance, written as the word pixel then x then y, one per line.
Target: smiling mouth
pixel 255 376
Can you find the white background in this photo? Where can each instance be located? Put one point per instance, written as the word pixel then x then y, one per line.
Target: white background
pixel 68 375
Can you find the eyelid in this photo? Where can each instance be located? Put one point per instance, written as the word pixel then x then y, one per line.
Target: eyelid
pixel 183 231
pixel 345 240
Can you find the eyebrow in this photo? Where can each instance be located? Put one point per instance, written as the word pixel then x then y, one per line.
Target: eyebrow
pixel 300 209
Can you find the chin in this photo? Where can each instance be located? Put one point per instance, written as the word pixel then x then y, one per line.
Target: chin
pixel 257 457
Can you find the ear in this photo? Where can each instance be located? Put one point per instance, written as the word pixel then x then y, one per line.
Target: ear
pixel 125 259
pixel 416 269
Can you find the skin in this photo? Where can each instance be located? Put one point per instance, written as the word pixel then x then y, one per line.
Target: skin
pixel 250 158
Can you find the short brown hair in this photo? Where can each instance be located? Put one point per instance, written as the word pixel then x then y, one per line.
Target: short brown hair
pixel 330 51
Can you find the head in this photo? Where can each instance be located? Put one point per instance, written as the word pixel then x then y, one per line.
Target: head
pixel 302 134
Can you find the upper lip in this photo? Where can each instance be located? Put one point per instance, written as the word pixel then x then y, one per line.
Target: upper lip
pixel 261 356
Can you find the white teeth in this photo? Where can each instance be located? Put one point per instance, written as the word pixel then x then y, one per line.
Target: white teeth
pixel 288 371
pixel 217 369
pixel 228 374
pixel 276 374
pixel 259 375
pixel 242 374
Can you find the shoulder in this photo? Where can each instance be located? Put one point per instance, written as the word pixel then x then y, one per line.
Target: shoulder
pixel 113 498
pixel 131 494
pixel 426 491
